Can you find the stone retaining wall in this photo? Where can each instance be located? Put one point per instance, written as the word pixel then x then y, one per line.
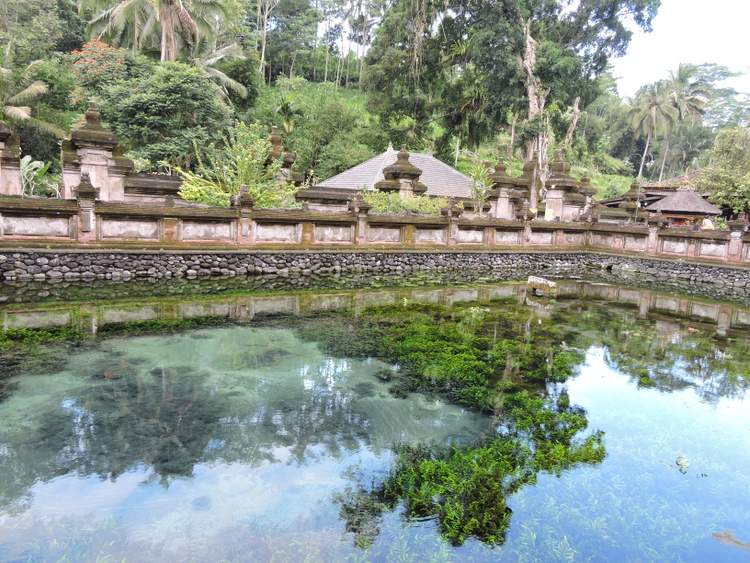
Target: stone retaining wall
pixel 714 280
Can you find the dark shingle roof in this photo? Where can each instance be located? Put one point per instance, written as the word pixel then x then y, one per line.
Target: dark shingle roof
pixel 440 179
pixel 685 201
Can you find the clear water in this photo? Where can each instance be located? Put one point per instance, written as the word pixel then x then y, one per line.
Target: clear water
pixel 234 442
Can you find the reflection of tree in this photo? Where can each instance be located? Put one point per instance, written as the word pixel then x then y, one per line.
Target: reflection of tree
pixel 667 355
pixel 466 489
pixel 120 409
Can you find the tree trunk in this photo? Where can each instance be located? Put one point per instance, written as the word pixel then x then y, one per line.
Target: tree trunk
pixel 573 122
pixel 168 40
pixel 643 158
pixel 536 98
pixel 664 160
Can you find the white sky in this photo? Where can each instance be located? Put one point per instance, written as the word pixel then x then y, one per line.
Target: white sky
pixel 689 31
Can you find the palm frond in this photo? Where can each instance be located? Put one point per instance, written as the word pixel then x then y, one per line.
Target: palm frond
pixel 48 127
pixel 33 91
pixel 17 113
pixel 226 82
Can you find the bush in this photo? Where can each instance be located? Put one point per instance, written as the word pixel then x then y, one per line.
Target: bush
pixel 96 64
pixel 239 161
pixel 329 128
pixel 162 116
pixel 392 202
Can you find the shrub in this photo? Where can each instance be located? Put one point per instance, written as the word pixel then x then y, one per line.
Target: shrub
pixel 385 202
pixel 239 161
pixel 96 64
pixel 162 116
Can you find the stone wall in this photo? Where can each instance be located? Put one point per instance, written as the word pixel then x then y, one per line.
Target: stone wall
pixel 92 315
pixel 714 280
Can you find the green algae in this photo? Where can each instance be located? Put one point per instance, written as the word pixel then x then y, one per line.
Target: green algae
pixel 473 356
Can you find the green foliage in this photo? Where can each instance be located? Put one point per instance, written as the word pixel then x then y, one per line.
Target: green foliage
pixel 727 177
pixel 466 489
pixel 245 72
pixel 36 179
pixel 96 64
pixel 165 114
pixel 31 30
pixel 392 202
pixel 328 128
pixel 478 357
pixel 239 161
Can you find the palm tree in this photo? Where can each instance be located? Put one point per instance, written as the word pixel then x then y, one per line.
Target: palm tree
pixel 127 23
pixel 688 96
pixel 133 22
pixel 208 55
pixel 16 104
pixel 651 112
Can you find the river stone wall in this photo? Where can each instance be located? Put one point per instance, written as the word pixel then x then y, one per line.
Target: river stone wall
pixel 61 265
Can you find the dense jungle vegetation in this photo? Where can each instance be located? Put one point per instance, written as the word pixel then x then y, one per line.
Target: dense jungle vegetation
pixel 469 81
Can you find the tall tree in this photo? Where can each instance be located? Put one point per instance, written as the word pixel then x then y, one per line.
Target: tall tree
pixel 130 23
pixel 652 111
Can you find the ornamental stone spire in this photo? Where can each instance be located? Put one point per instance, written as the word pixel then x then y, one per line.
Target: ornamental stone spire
pixel 402 177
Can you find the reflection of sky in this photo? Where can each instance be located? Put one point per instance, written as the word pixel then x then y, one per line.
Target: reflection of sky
pixel 273 391
pixel 638 502
pixel 636 505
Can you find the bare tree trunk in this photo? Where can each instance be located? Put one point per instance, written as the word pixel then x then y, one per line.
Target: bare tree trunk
pixel 267 8
pixel 573 122
pixel 512 143
pixel 168 40
pixel 664 160
pixel 537 97
pixel 643 158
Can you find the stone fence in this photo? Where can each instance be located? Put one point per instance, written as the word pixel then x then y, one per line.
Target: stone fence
pixel 88 223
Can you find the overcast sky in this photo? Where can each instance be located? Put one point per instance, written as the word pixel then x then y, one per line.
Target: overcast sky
pixel 689 31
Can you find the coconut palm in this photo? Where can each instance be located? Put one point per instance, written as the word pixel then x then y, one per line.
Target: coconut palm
pixel 207 55
pixel 651 112
pixel 134 22
pixel 688 95
pixel 16 102
pixel 127 23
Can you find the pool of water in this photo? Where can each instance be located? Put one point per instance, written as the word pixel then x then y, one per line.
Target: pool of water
pixel 235 436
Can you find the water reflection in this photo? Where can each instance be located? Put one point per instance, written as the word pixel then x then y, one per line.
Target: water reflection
pixel 231 441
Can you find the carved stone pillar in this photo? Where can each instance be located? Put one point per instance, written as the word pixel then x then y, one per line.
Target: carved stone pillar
pixel 244 204
pixel 360 209
pixel 737 229
pixel 453 213
pixel 10 163
pixel 506 200
pixel 564 201
pixel 655 222
pixel 86 195
pixel 93 150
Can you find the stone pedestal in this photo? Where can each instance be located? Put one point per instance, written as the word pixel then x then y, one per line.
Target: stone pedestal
pixel 244 204
pixel 453 213
pixel 10 163
pixel 86 195
pixel 564 201
pixel 360 209
pixel 737 230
